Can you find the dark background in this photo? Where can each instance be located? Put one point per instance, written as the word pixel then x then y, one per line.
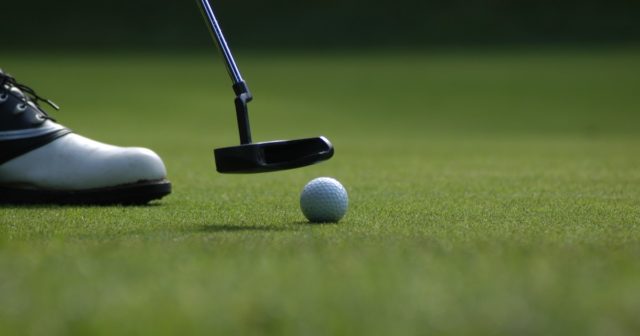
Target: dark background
pixel 317 23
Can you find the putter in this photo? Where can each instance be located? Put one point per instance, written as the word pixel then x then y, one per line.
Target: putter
pixel 258 157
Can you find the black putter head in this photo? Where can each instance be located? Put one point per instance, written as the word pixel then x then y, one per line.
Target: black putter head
pixel 272 156
pixel 259 157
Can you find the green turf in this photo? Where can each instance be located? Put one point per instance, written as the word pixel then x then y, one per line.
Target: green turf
pixel 490 193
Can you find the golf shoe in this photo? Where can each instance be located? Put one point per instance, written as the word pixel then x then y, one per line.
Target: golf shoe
pixel 43 162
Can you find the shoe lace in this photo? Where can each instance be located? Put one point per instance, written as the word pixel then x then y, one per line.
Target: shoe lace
pixel 7 80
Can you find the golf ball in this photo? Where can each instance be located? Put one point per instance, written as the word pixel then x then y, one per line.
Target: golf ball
pixel 324 200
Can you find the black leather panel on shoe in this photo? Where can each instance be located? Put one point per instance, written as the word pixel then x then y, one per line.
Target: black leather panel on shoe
pixel 10 149
pixel 130 194
pixel 17 112
pixel 23 124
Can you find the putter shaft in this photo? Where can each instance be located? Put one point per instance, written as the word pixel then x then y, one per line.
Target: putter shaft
pixel 243 95
pixel 221 42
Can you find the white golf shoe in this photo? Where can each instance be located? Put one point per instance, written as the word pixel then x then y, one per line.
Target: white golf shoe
pixel 42 161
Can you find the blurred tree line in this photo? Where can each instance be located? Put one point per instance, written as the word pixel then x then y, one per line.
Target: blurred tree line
pixel 178 24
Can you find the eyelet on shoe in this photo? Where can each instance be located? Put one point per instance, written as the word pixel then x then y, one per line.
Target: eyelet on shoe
pixel 3 97
pixel 20 108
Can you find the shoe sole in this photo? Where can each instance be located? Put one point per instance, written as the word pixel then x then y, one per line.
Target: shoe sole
pixel 128 194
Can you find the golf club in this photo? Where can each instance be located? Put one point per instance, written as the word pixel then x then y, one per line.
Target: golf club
pixel 258 157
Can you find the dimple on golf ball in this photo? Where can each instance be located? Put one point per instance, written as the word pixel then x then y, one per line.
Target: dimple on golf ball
pixel 324 200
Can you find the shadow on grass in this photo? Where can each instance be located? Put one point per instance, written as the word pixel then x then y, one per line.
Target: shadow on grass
pixel 60 206
pixel 260 228
pixel 243 228
pixel 312 224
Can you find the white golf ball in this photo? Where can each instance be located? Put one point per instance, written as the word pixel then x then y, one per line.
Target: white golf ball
pixel 324 200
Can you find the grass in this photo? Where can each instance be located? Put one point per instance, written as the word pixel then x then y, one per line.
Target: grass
pixel 490 193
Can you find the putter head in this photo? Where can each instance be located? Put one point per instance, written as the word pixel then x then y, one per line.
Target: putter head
pixel 272 156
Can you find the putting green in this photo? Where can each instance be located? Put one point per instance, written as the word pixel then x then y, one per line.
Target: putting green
pixel 491 192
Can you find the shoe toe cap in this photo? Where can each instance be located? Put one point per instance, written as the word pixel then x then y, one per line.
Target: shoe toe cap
pixel 136 164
